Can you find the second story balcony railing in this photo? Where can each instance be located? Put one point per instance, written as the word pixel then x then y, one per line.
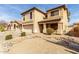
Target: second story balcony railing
pixel 53 17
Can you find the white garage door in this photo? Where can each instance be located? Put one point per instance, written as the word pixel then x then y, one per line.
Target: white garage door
pixel 28 28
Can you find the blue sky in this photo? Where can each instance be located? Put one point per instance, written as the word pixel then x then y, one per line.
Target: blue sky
pixel 10 12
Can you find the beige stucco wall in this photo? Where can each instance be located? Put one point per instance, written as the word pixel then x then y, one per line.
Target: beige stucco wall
pixel 27 16
pixel 38 17
pixel 64 19
pixel 51 17
pixel 12 27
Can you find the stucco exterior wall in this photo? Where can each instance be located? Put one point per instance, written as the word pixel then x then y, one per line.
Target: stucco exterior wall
pixel 51 17
pixel 27 16
pixel 12 27
pixel 38 17
pixel 64 19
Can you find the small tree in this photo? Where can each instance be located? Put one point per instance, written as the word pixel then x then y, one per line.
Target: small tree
pixel 50 31
pixel 76 31
pixel 2 28
pixel 23 34
pixel 8 37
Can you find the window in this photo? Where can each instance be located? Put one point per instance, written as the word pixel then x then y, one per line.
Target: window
pixel 23 18
pixel 53 13
pixel 30 15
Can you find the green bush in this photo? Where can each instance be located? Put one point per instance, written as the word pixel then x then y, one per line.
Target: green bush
pixel 50 31
pixel 8 37
pixel 1 28
pixel 23 34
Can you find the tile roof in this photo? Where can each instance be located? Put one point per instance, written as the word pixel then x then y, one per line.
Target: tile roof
pixel 34 8
pixel 64 6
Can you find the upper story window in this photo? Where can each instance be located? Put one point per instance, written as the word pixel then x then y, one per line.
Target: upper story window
pixel 54 13
pixel 23 18
pixel 30 15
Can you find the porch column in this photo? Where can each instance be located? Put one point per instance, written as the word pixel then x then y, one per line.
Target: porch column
pixel 60 28
pixel 22 26
pixel 12 27
pixel 44 28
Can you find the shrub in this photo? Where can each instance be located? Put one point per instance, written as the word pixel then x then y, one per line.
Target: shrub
pixel 23 34
pixel 1 28
pixel 76 31
pixel 8 37
pixel 50 31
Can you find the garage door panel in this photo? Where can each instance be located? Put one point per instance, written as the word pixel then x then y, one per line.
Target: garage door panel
pixel 28 28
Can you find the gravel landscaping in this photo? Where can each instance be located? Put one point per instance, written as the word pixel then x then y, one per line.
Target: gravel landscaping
pixel 38 43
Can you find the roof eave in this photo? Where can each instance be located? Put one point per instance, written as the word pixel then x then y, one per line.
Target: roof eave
pixel 57 7
pixel 34 8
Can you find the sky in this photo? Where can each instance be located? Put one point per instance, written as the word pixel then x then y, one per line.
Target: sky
pixel 10 12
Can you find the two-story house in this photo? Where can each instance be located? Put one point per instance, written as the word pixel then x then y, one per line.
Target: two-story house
pixel 37 21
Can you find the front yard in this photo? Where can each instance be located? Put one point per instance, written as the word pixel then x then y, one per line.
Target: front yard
pixel 39 43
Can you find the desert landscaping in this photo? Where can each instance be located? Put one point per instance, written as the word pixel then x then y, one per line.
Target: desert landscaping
pixel 38 43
